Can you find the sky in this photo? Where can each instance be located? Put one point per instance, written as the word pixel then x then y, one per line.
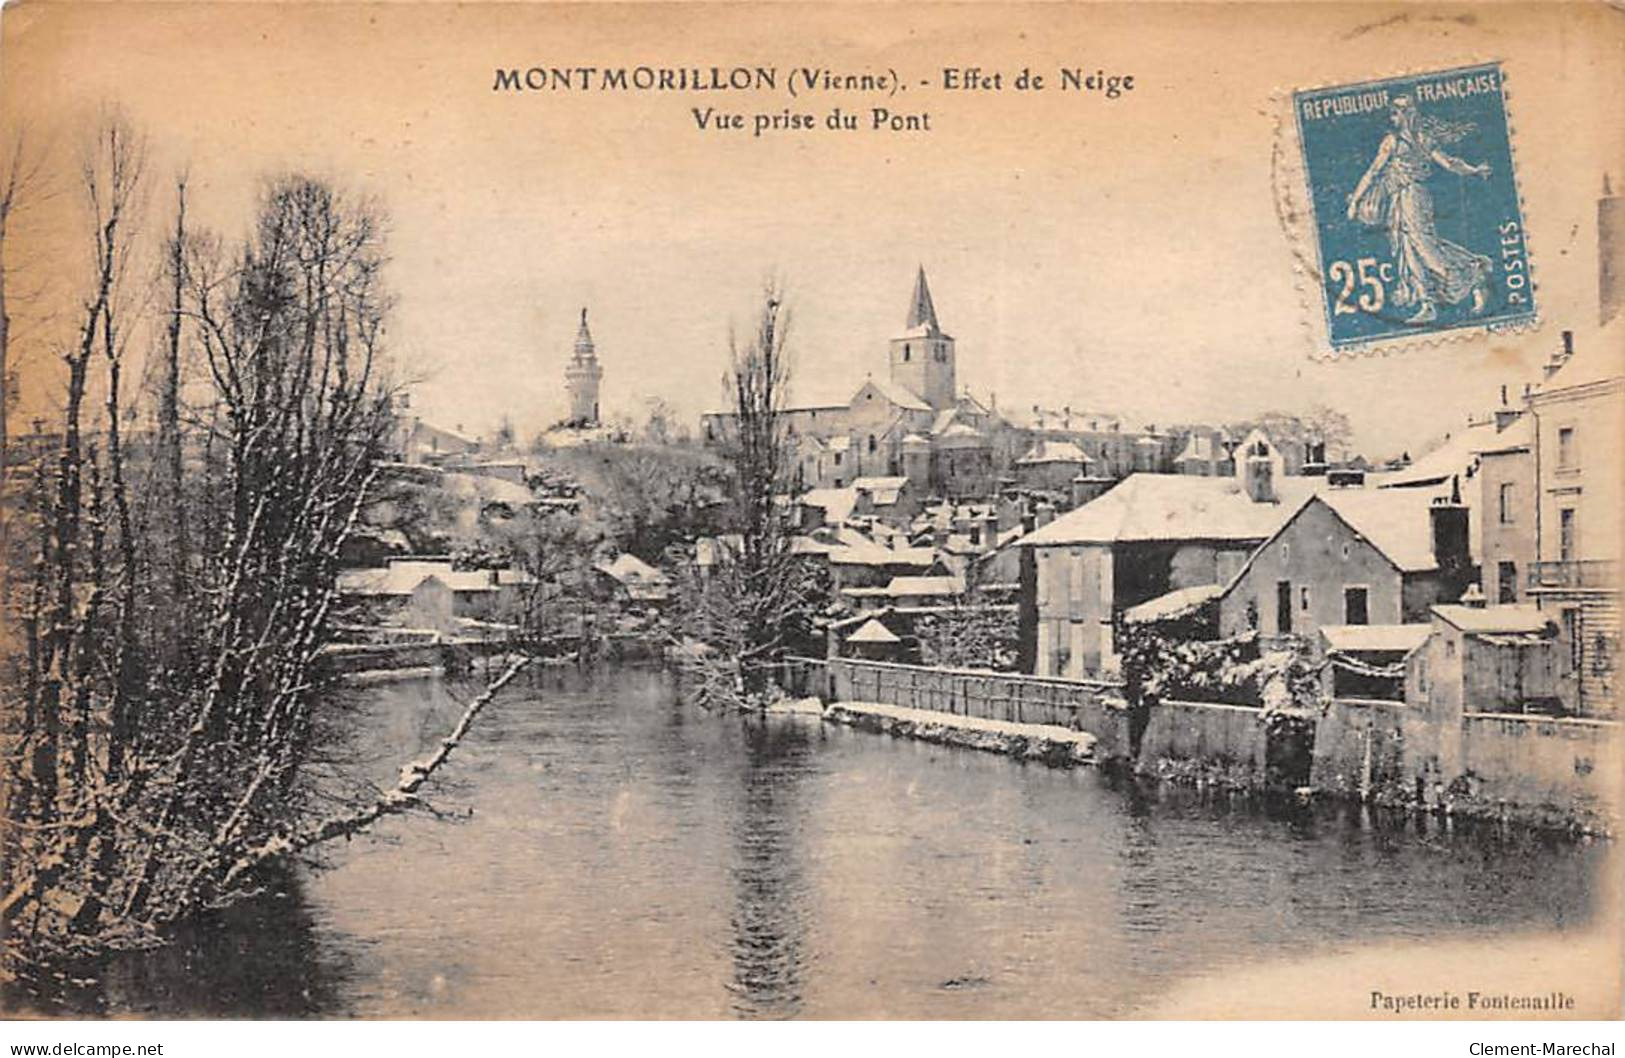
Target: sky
pixel 1126 255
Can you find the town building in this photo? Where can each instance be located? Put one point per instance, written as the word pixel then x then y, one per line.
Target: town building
pixel 1506 512
pixel 432 593
pixel 628 579
pixel 1148 536
pixel 1352 557
pixel 1578 418
pixel 907 421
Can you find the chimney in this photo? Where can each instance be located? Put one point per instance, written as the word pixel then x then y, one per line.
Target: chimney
pixel 1046 514
pixel 990 530
pixel 1473 597
pixel 1562 356
pixel 1450 542
pixel 1029 521
pixel 1258 477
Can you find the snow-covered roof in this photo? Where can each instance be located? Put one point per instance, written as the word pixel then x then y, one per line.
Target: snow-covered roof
pixel 404 577
pixel 1176 603
pixel 961 431
pixel 628 568
pixel 898 395
pixel 1146 507
pixel 1396 522
pixel 1054 452
pixel 1065 419
pixel 1520 434
pixel 872 631
pixel 1458 453
pixel 1479 619
pixel 875 555
pixel 882 491
pixel 837 504
pixel 1370 638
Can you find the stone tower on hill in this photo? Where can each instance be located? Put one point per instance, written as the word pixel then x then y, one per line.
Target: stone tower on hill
pixel 922 357
pixel 581 378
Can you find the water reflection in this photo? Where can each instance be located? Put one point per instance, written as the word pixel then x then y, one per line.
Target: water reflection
pixel 769 916
pixel 260 958
pixel 620 854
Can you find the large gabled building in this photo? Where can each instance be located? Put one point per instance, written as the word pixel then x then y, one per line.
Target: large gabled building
pixel 909 421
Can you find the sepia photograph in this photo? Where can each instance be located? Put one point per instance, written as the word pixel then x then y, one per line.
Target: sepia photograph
pixel 836 512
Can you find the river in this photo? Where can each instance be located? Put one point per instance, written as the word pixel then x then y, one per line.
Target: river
pixel 607 851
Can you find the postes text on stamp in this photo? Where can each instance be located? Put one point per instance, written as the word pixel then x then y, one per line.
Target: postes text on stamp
pixel 1417 218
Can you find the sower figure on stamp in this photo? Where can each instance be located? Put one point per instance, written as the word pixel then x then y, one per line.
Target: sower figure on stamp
pixel 1394 192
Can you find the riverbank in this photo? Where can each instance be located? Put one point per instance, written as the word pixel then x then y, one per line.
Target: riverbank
pixel 1055 746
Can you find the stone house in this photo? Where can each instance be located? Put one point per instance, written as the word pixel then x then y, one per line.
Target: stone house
pixel 1351 557
pixel 1151 534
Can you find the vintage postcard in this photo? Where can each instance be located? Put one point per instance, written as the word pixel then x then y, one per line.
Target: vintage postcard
pixel 907 511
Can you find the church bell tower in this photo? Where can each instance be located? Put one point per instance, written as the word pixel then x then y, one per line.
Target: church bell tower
pixel 581 378
pixel 922 357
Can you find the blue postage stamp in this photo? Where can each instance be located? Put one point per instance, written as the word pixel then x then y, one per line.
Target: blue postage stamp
pixel 1416 207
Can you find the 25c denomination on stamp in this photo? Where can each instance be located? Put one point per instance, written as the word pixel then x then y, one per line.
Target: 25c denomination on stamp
pixel 1417 218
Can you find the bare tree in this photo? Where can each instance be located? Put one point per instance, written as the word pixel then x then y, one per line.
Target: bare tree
pixel 757 601
pixel 21 180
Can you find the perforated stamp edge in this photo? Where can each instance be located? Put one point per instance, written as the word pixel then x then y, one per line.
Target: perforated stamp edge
pixel 1294 209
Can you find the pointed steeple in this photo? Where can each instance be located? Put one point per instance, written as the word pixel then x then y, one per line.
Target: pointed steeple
pixel 921 313
pixel 584 346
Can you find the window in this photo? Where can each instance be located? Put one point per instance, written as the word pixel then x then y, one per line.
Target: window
pixel 1346 550
pixel 1303 599
pixel 1565 534
pixel 1356 606
pixel 1506 575
pixel 1286 552
pixel 837 459
pixel 1283 607
pixel 1508 498
pixel 1567 457
pixel 1252 615
pixel 906 353
pixel 871 442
